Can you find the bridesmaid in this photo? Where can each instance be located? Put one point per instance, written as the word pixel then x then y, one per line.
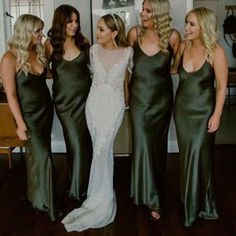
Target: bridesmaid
pixel 151 99
pixel 198 107
pixel 68 50
pixel 24 72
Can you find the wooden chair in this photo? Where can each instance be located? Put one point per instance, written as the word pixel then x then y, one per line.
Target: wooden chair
pixel 8 137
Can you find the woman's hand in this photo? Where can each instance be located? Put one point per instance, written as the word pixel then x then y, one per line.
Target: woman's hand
pixel 22 134
pixel 173 70
pixel 213 123
pixel 126 89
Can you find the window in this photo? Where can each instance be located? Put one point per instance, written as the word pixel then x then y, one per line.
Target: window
pixel 11 9
pixel 19 7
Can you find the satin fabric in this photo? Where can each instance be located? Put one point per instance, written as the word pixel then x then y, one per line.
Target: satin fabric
pixel 37 110
pixel 71 84
pixel 151 99
pixel 194 104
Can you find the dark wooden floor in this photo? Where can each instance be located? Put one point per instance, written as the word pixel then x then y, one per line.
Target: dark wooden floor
pixel 18 219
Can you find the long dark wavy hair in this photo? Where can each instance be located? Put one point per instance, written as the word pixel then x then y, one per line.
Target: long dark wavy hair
pixel 57 33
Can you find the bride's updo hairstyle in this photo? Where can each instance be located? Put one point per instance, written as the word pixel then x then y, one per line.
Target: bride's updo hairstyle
pixel 115 23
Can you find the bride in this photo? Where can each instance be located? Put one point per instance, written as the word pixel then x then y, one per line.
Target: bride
pixel 111 64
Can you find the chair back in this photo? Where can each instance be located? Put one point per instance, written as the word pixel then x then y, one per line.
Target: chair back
pixel 8 135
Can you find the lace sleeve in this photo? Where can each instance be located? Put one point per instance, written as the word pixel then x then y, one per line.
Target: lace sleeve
pixel 130 60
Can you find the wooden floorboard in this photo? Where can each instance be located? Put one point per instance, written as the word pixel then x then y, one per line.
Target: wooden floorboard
pixel 18 219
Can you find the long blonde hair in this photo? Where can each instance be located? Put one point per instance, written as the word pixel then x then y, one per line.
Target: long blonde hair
pixel 208 24
pixel 161 20
pixel 20 41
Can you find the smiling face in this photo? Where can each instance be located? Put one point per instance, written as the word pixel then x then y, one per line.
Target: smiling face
pixel 72 25
pixel 192 27
pixel 38 34
pixel 105 35
pixel 146 15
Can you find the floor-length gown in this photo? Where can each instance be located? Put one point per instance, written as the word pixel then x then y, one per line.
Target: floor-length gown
pixel 194 104
pixel 71 84
pixel 37 110
pixel 151 100
pixel 104 113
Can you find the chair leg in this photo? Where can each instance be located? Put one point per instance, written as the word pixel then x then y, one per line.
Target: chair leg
pixel 9 158
pixel 21 153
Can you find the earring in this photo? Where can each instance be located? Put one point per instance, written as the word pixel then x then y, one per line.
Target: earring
pixel 114 41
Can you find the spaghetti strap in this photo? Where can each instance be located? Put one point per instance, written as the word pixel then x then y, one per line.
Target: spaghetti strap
pixel 137 33
pixel 182 54
pixel 172 30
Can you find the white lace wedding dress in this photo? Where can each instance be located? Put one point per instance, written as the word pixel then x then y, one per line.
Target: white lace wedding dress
pixel 104 113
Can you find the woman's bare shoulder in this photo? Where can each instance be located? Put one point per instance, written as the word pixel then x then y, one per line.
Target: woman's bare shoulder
pixel 133 34
pixel 9 57
pixel 48 47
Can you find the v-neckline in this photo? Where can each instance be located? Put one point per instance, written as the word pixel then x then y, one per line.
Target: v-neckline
pixel 195 71
pixel 73 58
pixel 146 53
pixel 39 73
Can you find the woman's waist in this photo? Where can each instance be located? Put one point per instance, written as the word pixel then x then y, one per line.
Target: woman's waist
pixel 108 85
pixel 106 91
pixel 151 83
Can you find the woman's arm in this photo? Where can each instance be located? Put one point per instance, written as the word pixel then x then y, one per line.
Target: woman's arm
pixel 175 40
pixel 126 88
pixel 8 70
pixel 221 75
pixel 132 35
pixel 177 58
pixel 48 50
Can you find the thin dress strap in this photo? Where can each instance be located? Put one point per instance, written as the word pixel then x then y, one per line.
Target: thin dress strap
pixel 183 50
pixel 137 33
pixel 172 30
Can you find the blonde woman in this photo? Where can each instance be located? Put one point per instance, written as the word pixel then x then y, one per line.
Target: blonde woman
pixel 198 107
pixel 23 69
pixel 110 63
pixel 155 43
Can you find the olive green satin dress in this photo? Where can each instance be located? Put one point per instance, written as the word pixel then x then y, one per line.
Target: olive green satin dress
pixel 194 104
pixel 37 110
pixel 151 100
pixel 71 84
